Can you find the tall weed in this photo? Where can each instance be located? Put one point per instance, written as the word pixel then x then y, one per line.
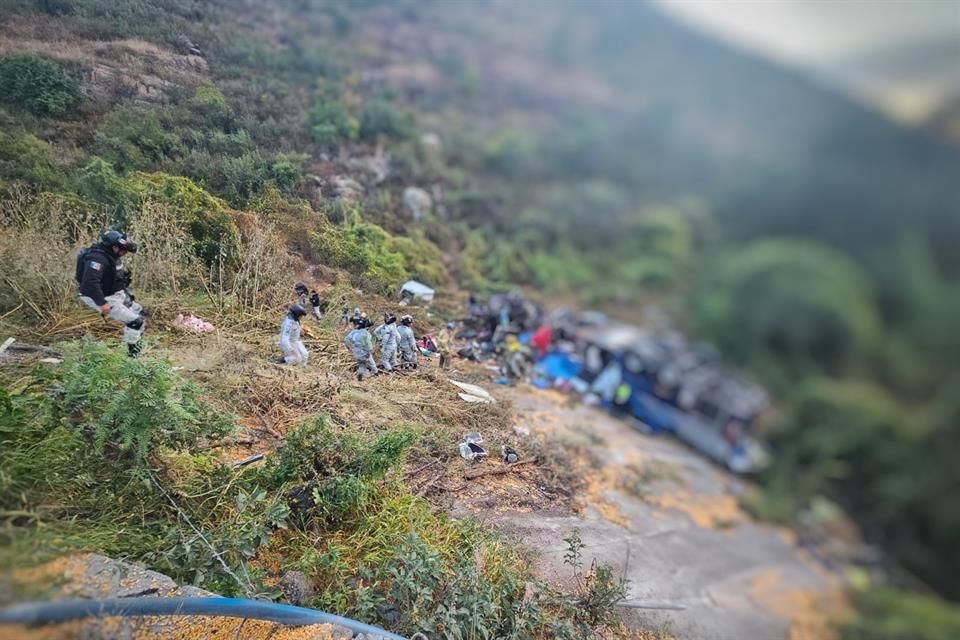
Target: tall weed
pixel 263 269
pixel 165 261
pixel 40 235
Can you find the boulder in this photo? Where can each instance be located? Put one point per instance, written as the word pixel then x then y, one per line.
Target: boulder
pixel 296 587
pixel 346 188
pixel 417 201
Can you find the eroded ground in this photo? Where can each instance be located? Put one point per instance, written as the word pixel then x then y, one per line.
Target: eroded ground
pixel 671 522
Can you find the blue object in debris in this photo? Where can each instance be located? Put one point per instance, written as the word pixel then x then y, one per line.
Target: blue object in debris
pixel 541 383
pixel 558 366
pixel 502 381
pixel 525 337
pixel 656 414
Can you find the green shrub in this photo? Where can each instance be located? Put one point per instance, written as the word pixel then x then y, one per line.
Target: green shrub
pixel 422 259
pixel 133 495
pixel 365 250
pixel 98 182
pixel 33 445
pixel 38 85
pixel 448 579
pixel 246 522
pixel 133 405
pixel 29 159
pixel 211 106
pixel 331 123
pixel 241 177
pixel 212 227
pixel 134 138
pixel 339 468
pixel 379 118
pixel 886 614
pixel 797 304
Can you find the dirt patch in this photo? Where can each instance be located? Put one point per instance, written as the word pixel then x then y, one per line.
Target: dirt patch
pixel 128 67
pixel 706 511
pixel 812 614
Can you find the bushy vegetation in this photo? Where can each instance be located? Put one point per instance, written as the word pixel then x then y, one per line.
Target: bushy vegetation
pixel 887 614
pixel 331 122
pixel 133 405
pixel 102 454
pixel 84 458
pixel 795 306
pixel 28 159
pixel 37 85
pixel 378 260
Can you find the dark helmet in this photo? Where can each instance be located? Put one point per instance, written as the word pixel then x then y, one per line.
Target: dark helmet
pixel 297 311
pixel 407 320
pixel 390 318
pixel 300 288
pixel 114 238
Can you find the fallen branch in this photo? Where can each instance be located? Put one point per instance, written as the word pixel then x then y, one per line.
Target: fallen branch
pixel 429 483
pixel 410 474
pixel 246 586
pixel 497 471
pixel 28 348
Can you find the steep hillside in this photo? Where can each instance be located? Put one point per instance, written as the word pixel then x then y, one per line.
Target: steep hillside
pixel 595 151
pixel 543 114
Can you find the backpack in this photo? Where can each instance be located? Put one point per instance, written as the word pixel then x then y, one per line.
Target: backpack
pixel 82 263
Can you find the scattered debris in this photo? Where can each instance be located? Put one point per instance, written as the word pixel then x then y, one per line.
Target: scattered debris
pixel 497 471
pixel 473 393
pixel 249 460
pixel 416 291
pixel 51 360
pixel 6 344
pixel 470 448
pixel 509 454
pixel 192 324
pixel 520 431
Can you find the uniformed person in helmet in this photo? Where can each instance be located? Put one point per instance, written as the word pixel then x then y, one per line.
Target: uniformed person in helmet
pixel 294 351
pixel 388 342
pixel 360 343
pixel 408 343
pixel 300 290
pixel 104 285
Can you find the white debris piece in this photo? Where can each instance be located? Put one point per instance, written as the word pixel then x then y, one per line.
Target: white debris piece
pixel 473 393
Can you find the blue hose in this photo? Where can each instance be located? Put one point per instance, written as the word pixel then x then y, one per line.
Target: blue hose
pixel 34 613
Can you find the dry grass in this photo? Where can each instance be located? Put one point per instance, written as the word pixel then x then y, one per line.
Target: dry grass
pixel 138 60
pixel 39 239
pixel 165 259
pixel 264 270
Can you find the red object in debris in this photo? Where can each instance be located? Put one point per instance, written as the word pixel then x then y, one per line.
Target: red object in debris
pixel 541 339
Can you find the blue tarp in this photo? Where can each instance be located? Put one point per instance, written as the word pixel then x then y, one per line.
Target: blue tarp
pixel 558 366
